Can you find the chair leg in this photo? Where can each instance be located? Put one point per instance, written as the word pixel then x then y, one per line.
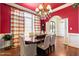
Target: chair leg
pixel 53 48
pixel 49 49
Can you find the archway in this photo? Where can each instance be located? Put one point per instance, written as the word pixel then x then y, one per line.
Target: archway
pixel 60 26
pixel 56 20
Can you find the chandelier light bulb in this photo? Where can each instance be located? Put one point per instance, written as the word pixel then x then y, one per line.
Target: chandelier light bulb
pixel 50 11
pixel 37 10
pixel 45 13
pixel 39 13
pixel 40 6
pixel 48 7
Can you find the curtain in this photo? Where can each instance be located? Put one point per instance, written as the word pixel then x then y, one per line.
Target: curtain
pixel 17 24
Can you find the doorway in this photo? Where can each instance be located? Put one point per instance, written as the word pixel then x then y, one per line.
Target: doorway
pixel 63 28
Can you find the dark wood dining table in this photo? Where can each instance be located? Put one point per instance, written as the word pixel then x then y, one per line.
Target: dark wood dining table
pixel 35 40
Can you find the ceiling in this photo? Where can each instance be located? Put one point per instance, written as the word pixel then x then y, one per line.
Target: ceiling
pixel 33 6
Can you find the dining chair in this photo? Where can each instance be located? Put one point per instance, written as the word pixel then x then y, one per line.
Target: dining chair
pixel 27 49
pixel 52 43
pixel 43 49
pixel 22 46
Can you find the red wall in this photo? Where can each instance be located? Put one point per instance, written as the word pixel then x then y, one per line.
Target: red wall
pixel 72 15
pixel 78 19
pixel 69 12
pixel 0 18
pixel 5 18
pixel 43 25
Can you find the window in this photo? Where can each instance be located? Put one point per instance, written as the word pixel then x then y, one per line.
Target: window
pixel 28 23
pixel 52 26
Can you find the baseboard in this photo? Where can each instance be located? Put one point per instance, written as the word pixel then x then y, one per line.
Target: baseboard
pixel 76 34
pixel 72 45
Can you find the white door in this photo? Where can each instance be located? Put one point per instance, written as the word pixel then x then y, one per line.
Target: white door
pixel 63 27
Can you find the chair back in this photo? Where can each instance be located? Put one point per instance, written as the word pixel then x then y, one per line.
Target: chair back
pixel 22 45
pixel 52 40
pixel 47 41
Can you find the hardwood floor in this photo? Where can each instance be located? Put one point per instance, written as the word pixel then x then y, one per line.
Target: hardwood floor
pixel 60 50
pixel 64 50
pixel 10 52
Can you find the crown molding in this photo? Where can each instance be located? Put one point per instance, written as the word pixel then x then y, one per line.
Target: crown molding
pixel 28 10
pixel 20 7
pixel 62 7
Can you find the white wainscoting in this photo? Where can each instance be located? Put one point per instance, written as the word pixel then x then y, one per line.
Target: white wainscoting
pixel 73 40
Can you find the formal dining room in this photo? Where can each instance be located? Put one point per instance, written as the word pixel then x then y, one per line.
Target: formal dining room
pixel 39 29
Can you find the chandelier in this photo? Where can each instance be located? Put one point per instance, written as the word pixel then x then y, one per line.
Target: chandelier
pixel 43 10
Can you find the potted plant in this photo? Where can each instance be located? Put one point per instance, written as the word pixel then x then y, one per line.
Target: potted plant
pixel 7 40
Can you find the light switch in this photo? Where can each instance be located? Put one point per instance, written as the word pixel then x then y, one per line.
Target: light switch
pixel 70 28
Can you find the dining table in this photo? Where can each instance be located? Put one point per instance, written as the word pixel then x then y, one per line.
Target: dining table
pixel 31 44
pixel 35 40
